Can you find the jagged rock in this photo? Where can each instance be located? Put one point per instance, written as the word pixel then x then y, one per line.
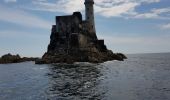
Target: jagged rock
pixel 74 40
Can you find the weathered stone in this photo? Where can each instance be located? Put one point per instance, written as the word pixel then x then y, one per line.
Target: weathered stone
pixel 74 40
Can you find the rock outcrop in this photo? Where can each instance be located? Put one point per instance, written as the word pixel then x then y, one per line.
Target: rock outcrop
pixel 82 56
pixel 9 58
pixel 74 40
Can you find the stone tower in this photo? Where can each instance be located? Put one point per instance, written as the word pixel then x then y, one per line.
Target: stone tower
pixel 90 15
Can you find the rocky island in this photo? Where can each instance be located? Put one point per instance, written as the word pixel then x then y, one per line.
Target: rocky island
pixel 9 58
pixel 74 40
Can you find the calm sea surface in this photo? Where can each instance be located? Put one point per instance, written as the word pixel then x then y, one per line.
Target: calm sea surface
pixel 140 77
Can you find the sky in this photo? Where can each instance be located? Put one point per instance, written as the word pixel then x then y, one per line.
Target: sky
pixel 127 26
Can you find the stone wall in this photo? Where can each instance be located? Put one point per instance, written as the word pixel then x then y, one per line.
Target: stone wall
pixel 83 41
pixel 62 33
pixel 68 24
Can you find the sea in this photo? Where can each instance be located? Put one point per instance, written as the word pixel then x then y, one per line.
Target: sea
pixel 140 77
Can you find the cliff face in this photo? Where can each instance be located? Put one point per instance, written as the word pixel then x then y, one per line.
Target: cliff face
pixel 72 40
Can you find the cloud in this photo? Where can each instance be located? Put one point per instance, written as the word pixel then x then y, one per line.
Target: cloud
pixel 123 8
pixel 118 10
pixel 107 8
pixel 66 6
pixel 10 1
pixel 155 13
pixel 22 18
pixel 166 26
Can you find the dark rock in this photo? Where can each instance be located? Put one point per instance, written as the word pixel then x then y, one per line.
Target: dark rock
pixel 39 61
pixel 9 58
pixel 121 56
pixel 29 59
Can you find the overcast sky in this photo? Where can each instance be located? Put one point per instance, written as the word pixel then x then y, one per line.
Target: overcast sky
pixel 128 26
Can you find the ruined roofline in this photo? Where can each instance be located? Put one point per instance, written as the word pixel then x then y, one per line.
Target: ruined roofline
pixel 64 16
pixel 69 15
pixel 75 14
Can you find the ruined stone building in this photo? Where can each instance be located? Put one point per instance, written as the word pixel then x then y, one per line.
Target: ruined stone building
pixel 71 31
pixel 74 39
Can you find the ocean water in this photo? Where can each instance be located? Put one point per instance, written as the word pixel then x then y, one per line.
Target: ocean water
pixel 140 77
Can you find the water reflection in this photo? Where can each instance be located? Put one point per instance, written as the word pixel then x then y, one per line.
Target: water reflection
pixel 74 82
